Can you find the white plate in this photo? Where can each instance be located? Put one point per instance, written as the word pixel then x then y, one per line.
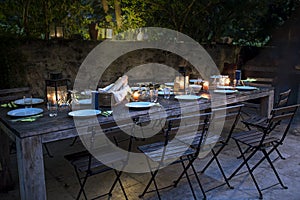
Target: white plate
pixel 26 101
pixel 162 93
pixel 85 101
pixel 245 88
pixel 225 87
pixel 215 76
pixel 84 113
pixel 170 84
pixel 195 80
pixel 187 97
pixel 225 91
pixel 139 104
pixel 25 112
pixel 138 88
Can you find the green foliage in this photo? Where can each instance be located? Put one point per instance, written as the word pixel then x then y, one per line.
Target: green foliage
pixel 247 22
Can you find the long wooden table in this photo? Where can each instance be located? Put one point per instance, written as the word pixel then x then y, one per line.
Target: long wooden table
pixel 30 136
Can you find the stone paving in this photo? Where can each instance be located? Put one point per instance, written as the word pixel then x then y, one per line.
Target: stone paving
pixel 62 183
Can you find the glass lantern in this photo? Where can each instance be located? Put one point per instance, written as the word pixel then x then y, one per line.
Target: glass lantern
pixel 56 91
pixel 181 82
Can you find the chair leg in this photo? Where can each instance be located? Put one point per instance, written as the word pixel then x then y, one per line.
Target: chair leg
pixel 263 158
pixel 156 188
pixel 149 183
pixel 189 181
pixel 118 175
pixel 198 180
pixel 243 163
pixel 221 169
pixel 278 152
pixel 183 172
pixel 246 151
pixel 208 164
pixel 273 168
pixel 190 164
pixel 74 140
pixel 249 169
pixel 81 183
pixel 47 150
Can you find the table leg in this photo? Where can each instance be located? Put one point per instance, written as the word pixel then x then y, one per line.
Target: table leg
pixel 31 168
pixel 6 181
pixel 266 104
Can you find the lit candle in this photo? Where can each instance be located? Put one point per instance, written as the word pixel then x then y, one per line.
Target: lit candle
pixel 227 81
pixel 181 84
pixel 53 98
pixel 136 95
pixel 205 85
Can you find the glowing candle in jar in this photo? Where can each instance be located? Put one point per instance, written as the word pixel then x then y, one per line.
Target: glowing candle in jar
pixel 181 83
pixel 53 98
pixel 227 81
pixel 136 95
pixel 205 85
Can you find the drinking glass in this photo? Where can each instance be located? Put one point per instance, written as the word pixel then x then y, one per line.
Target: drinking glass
pixel 52 108
pixel 153 95
pixel 167 93
pixel 28 102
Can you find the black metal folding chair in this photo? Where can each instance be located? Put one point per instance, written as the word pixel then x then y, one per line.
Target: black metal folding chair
pixel 255 120
pixel 231 116
pixel 262 140
pixel 86 165
pixel 172 151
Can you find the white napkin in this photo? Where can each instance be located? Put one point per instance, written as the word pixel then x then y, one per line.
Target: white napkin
pixel 120 95
pixel 119 89
pixel 106 89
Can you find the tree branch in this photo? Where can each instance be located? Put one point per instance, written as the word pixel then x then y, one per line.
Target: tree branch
pixel 186 15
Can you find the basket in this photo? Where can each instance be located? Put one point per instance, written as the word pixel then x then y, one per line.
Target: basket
pixel 106 100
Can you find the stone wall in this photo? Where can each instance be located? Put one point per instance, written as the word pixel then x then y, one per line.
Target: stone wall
pixel 66 56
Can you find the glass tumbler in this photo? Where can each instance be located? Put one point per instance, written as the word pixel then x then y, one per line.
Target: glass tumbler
pixel 167 93
pixel 153 95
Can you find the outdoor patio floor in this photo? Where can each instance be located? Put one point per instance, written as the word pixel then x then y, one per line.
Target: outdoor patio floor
pixel 61 181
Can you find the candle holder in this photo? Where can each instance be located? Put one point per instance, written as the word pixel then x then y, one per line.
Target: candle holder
pixel 205 85
pixel 56 88
pixel 136 95
pixel 181 82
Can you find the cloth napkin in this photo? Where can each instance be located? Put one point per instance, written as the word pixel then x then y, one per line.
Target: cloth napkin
pixel 119 89
pixel 9 105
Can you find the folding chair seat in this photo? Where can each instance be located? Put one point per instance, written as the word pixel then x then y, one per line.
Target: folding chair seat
pixel 171 151
pixel 262 140
pixel 216 142
pixel 86 164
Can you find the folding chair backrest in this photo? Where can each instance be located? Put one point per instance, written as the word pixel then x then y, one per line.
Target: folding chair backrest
pixel 189 125
pixel 283 99
pixel 95 140
pixel 280 115
pixel 227 115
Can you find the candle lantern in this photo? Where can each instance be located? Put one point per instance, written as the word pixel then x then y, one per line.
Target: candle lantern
pixel 56 89
pixel 181 82
pixel 56 31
